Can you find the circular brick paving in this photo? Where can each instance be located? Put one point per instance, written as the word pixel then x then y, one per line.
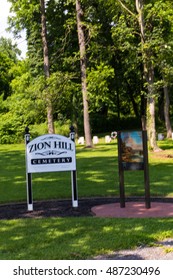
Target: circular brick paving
pixel 133 210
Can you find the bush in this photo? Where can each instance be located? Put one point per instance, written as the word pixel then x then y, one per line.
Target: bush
pixel 62 128
pixel 11 129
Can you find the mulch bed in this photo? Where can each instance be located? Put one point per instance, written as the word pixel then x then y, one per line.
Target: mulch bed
pixel 61 208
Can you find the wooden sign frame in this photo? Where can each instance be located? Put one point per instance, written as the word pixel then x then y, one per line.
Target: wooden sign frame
pixel 133 156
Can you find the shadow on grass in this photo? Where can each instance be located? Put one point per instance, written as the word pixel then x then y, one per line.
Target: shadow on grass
pixel 77 238
pixel 166 144
pixel 97 175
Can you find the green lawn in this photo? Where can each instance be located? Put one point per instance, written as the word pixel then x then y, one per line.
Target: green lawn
pixel 97 173
pixel 81 238
pixel 77 238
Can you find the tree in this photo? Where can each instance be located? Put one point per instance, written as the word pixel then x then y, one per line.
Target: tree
pixel 83 67
pixel 149 77
pixel 166 111
pixel 157 44
pixel 164 9
pixel 147 55
pixel 8 58
pixel 117 55
pixel 46 67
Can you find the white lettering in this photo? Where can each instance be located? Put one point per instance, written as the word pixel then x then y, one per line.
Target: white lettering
pixel 51 160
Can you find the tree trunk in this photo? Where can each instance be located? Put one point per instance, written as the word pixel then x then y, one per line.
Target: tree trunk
pixel 83 67
pixel 149 77
pixel 151 127
pixel 166 112
pixel 46 67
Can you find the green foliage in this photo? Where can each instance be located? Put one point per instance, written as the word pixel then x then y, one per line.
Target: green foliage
pixel 9 49
pixel 99 80
pixel 11 128
pixel 114 62
pixel 62 127
pixel 8 56
pixel 123 32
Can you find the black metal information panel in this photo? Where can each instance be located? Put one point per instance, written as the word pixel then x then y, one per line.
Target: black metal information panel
pixel 133 156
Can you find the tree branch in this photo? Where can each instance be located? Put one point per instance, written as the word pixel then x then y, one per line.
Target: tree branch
pixel 130 12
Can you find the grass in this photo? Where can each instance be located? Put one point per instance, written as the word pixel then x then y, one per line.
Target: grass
pixel 97 173
pixel 77 238
pixel 81 238
pixel 93 178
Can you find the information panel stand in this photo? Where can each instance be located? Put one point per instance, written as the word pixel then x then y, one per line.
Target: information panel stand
pixel 50 153
pixel 133 156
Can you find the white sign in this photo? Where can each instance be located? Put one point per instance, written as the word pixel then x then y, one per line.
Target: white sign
pixel 50 153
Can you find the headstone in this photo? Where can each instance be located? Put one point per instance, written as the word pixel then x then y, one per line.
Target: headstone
pixel 160 136
pixel 81 140
pixel 95 140
pixel 107 139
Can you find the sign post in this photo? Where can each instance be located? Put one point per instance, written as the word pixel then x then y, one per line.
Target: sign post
pixel 50 153
pixel 73 175
pixel 146 171
pixel 133 156
pixel 28 175
pixel 121 175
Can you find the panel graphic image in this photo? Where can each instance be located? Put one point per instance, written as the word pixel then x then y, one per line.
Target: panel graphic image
pixel 132 156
